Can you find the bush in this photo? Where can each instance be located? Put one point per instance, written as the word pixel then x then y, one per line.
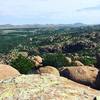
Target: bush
pixel 57 60
pixel 22 64
pixel 88 60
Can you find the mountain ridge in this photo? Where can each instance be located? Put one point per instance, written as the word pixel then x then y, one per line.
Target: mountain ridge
pixel 8 26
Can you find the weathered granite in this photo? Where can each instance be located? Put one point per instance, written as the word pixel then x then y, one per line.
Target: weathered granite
pixel 44 87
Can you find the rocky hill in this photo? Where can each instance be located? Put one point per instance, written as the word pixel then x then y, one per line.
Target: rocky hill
pixel 46 53
pixel 44 87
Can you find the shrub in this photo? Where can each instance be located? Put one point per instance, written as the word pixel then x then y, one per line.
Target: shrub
pixel 22 64
pixel 57 60
pixel 88 60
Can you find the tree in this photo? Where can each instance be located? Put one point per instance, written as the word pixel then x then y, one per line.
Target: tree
pixel 56 59
pixel 22 64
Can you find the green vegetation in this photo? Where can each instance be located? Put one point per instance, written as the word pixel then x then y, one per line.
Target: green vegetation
pixel 22 64
pixel 57 60
pixel 88 60
pixel 53 43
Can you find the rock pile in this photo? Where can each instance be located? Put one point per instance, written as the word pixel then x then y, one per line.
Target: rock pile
pixel 48 85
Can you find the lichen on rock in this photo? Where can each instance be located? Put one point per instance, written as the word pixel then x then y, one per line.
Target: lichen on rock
pixel 44 87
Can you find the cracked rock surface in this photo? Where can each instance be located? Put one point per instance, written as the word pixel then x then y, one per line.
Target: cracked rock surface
pixel 44 87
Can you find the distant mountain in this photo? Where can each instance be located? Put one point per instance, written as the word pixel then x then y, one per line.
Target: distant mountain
pixel 9 26
pixel 78 25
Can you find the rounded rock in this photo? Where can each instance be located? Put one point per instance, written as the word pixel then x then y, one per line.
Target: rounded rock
pixel 49 70
pixel 7 71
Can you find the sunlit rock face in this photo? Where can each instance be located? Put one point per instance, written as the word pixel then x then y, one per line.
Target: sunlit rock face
pixel 44 87
pixel 78 63
pixel 37 60
pixel 82 74
pixel 49 70
pixel 7 71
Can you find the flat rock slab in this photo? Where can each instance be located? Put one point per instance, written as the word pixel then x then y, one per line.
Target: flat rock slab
pixel 44 87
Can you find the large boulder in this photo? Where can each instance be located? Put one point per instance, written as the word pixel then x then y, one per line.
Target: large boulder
pixel 49 70
pixel 44 87
pixel 83 74
pixel 7 71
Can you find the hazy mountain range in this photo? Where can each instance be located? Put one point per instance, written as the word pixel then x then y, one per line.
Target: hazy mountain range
pixel 8 26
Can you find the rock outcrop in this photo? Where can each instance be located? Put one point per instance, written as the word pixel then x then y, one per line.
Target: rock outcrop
pixel 37 60
pixel 44 87
pixel 78 63
pixel 49 70
pixel 83 74
pixel 7 71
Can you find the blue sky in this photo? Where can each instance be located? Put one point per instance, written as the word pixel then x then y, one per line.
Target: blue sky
pixel 49 11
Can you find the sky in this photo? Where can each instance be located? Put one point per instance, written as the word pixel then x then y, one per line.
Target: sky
pixel 49 11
